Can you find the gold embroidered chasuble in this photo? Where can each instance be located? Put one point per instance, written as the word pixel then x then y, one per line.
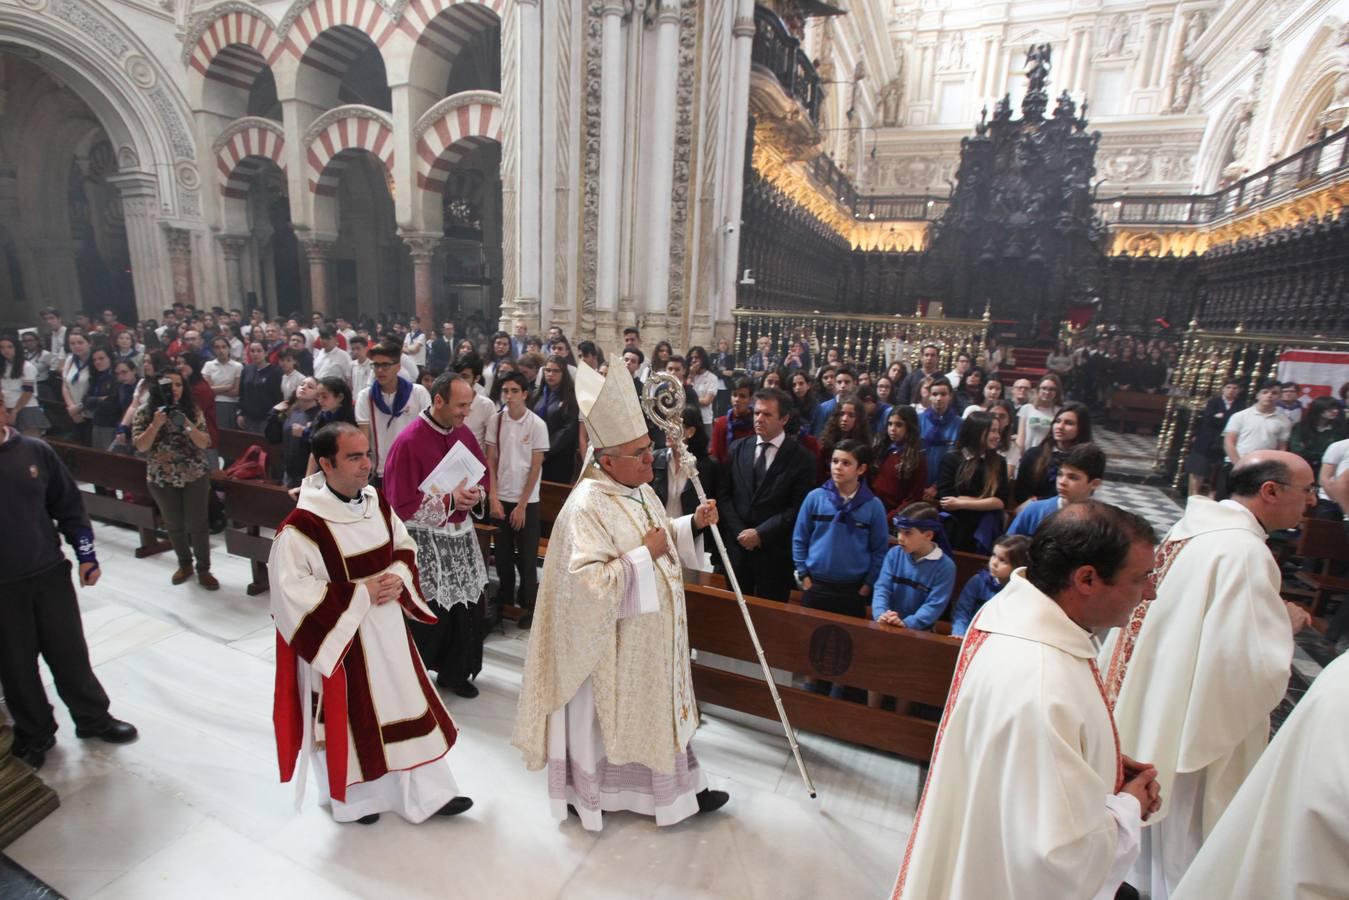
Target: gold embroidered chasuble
pixel 638 664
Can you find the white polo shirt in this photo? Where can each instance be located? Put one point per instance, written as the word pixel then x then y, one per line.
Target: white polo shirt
pixel 1337 455
pixel 1258 431
pixel 384 428
pixel 218 374
pixel 516 440
pixel 335 362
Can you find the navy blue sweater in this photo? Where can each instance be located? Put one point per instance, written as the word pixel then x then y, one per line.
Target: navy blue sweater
pixel 38 489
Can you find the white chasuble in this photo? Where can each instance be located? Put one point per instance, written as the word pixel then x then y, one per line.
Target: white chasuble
pixel 1023 796
pixel 1195 674
pixel 635 655
pixel 349 681
pixel 1285 835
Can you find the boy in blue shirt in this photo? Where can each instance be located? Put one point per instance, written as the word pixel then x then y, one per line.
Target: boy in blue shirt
pixel 1080 473
pixel 939 425
pixel 840 536
pixel 1010 552
pixel 919 575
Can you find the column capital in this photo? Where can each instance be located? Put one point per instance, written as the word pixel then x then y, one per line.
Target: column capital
pixel 317 247
pixel 422 245
pixel 232 245
pixel 135 184
pixel 179 240
pixel 744 27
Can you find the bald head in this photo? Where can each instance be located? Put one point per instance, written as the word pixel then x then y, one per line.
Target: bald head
pixel 1275 485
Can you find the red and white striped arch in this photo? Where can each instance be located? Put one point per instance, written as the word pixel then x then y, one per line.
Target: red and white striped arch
pixel 235 46
pixel 366 16
pixel 456 133
pixel 244 154
pixel 353 132
pixel 446 35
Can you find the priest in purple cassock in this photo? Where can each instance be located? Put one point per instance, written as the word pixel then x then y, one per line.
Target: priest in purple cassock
pixel 453 571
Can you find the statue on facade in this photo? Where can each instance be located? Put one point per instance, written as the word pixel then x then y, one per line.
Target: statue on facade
pixel 892 95
pixel 1119 35
pixel 1184 96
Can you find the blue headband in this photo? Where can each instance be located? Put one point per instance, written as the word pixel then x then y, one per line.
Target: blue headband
pixel 933 525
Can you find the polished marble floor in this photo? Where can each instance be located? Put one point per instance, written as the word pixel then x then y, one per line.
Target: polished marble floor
pixel 194 809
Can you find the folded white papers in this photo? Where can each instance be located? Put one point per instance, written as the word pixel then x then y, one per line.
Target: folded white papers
pixel 459 465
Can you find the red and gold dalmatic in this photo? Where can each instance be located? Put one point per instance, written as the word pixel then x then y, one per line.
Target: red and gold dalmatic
pixel 356 661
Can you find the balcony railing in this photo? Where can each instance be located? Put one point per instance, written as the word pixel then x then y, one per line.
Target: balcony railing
pixel 828 174
pixel 1307 167
pixel 777 51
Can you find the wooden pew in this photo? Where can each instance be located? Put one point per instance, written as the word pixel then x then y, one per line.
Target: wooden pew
pixel 1324 541
pixel 1137 408
pixel 121 473
pixel 251 506
pixel 915 665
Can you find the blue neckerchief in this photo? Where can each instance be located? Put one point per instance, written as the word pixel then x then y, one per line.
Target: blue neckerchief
pixel 400 398
pixel 746 422
pixel 323 418
pixel 79 366
pixel 846 509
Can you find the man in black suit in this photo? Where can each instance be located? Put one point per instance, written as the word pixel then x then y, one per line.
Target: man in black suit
pixel 764 481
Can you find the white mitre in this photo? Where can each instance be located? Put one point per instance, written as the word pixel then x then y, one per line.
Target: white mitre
pixel 609 406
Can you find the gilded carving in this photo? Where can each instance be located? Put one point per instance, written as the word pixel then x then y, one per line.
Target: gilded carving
pixel 685 90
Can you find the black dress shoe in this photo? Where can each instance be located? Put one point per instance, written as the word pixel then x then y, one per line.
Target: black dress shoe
pixel 571 811
pixel 114 731
pixel 711 801
pixel 456 806
pixel 525 621
pixel 464 689
pixel 34 754
pixel 368 820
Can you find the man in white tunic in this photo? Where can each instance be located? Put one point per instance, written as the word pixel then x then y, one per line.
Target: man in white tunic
pixel 1029 796
pixel 607 699
pixel 1195 673
pixel 1285 835
pixel 352 695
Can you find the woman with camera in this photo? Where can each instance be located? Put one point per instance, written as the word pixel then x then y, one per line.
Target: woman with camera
pixel 171 431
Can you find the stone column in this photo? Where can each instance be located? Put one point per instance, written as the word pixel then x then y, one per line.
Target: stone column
pixel 660 175
pixel 179 242
pixel 422 247
pixel 232 249
pixel 317 251
pixel 743 32
pixel 149 268
pixel 529 142
pixel 612 100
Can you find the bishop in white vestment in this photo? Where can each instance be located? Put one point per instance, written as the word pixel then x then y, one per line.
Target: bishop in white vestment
pixel 1285 835
pixel 1195 673
pixel 1028 796
pixel 352 695
pixel 607 698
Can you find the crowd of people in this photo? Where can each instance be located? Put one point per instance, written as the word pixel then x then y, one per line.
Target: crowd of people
pixel 973 451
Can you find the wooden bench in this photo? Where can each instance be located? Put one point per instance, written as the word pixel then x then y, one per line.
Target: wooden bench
pixel 117 472
pixel 1324 541
pixel 894 661
pixel 1136 408
pixel 251 506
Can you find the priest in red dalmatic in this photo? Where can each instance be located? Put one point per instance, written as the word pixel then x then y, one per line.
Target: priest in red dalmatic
pixel 352 695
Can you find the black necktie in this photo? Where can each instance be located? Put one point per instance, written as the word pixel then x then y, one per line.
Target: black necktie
pixel 761 463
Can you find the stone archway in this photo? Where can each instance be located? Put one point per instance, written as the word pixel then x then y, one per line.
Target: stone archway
pixel 100 61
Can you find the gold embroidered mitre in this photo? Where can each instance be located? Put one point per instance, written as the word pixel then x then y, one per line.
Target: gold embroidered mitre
pixel 609 406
